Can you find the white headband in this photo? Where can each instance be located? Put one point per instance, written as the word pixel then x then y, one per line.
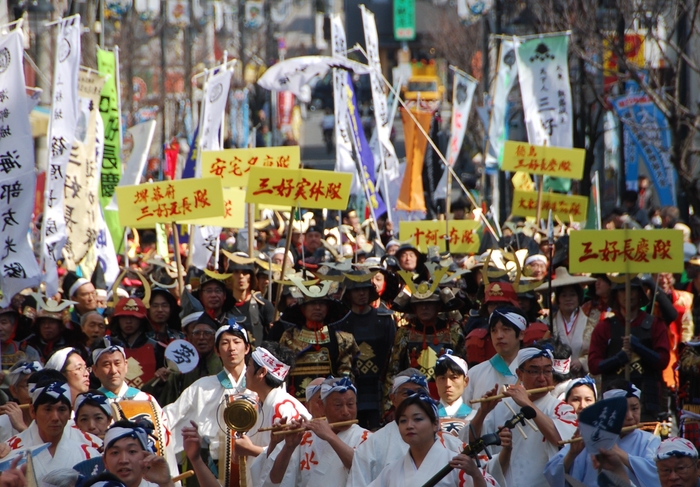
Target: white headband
pixel 100 399
pixel 191 318
pixel 561 366
pixel 676 447
pixel 461 363
pixel 231 327
pixel 529 353
pixel 536 258
pixel 80 282
pixel 514 319
pixel 415 379
pixel 109 348
pixel 274 367
pixel 632 392
pixel 55 390
pixel 116 433
pixel 59 358
pixel 20 369
pixel 338 385
pixel 311 391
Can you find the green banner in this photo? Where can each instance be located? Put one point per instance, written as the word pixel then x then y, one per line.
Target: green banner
pixel 111 162
pixel 404 20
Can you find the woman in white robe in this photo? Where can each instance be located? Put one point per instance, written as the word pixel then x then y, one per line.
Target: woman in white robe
pixel 418 423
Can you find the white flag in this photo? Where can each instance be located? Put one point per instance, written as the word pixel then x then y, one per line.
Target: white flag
pixel 462 96
pixel 18 267
pixel 543 70
pixel 344 161
pixel 381 107
pixel 62 126
pixel 505 80
pixel 215 96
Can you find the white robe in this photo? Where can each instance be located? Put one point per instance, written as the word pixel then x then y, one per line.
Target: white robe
pixel 530 456
pixel 315 464
pixel 578 339
pixel 403 472
pixel 482 378
pixel 68 451
pixel 200 403
pixel 382 448
pixel 6 429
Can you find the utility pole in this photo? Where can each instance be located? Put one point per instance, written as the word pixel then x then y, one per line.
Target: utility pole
pixel 163 74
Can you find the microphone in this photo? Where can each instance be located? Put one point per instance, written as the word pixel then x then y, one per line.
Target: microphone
pixel 525 413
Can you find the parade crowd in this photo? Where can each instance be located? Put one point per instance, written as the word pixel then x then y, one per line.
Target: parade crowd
pixel 364 362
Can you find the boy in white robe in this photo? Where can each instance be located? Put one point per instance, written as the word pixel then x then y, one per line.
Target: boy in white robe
pixel 555 420
pixel 451 379
pixel 322 455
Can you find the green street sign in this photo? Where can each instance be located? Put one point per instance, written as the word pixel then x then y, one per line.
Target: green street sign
pixel 404 20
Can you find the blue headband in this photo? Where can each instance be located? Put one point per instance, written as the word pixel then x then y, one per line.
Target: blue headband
pixel 530 353
pixel 99 399
pixel 583 381
pixel 460 362
pixel 425 399
pixel 116 433
pixel 232 327
pixel 339 385
pixel 414 378
pixel 56 391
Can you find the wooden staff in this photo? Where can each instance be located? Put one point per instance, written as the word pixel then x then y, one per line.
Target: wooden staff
pixel 628 324
pixel 183 476
pixel 287 246
pixel 278 427
pixel 299 430
pixel 529 422
pixel 501 396
pixel 626 429
pixel 178 258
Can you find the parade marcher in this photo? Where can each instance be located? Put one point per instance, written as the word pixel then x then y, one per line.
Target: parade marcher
pixel 677 463
pixel 599 307
pixel 635 449
pixel 200 402
pixel 12 351
pixel 215 297
pixel 93 326
pixel 312 333
pixel 412 260
pixel 580 393
pixel 451 379
pixel 163 316
pixel 51 410
pixel 571 325
pixel 647 350
pixel 386 445
pixel 313 457
pixel 506 327
pixel 313 403
pixel 312 250
pixel 430 331
pixel 374 330
pixel 418 424
pixel 50 332
pixel 93 414
pixel 82 292
pixel 537 265
pixel 68 362
pixel 555 420
pixel 14 420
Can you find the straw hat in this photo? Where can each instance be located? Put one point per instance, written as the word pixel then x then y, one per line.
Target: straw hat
pixel 563 278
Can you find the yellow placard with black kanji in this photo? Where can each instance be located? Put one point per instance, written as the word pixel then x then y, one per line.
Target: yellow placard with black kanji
pixel 233 165
pixel 563 206
pixel 424 234
pixel 626 251
pixel 309 188
pixel 545 160
pixel 144 205
pixel 234 211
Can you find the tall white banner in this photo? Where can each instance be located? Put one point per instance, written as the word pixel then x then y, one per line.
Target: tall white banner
pixel 344 161
pixel 18 267
pixel 505 80
pixel 543 70
pixel 215 96
pixel 62 126
pixel 462 96
pixel 381 108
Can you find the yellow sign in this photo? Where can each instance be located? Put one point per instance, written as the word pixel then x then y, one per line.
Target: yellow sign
pixel 144 205
pixel 233 165
pixel 307 187
pixel 525 204
pixel 626 251
pixel 234 211
pixel 424 234
pixel 522 181
pixel 550 161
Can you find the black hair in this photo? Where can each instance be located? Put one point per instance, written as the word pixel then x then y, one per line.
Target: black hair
pixel 561 351
pixel 575 287
pixel 281 353
pixel 495 318
pixel 619 383
pixel 416 400
pixel 46 399
pixel 590 386
pixel 236 333
pixel 442 366
pixel 99 344
pixel 91 402
pixel 103 477
pixel 46 376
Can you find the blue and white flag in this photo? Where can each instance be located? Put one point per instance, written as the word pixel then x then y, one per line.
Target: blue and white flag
pixel 600 424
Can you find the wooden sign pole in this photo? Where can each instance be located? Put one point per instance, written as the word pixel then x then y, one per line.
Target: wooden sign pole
pixel 178 258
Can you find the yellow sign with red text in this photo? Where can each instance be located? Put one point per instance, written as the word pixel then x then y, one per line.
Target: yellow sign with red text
pixel 549 161
pixel 424 234
pixel 525 204
pixel 144 205
pixel 233 165
pixel 625 251
pixel 309 188
pixel 234 211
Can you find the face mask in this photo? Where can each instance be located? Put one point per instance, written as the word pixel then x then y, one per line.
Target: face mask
pixel 656 221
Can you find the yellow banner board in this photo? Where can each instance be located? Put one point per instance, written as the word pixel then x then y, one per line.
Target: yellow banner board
pixel 626 251
pixel 234 211
pixel 233 165
pixel 309 188
pixel 424 234
pixel 525 204
pixel 549 161
pixel 144 205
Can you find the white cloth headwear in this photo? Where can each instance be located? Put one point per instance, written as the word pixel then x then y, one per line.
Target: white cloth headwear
pixel 116 433
pixel 583 381
pixel 311 391
pixel 336 385
pixel 275 368
pixel 632 392
pixel 76 285
pixel 99 399
pixel 561 365
pixel 461 363
pixel 20 369
pixel 109 348
pixel 191 318
pixel 536 258
pixel 676 447
pixel 58 360
pixel 232 327
pixel 529 353
pixel 414 378
pixel 515 319
pixel 55 390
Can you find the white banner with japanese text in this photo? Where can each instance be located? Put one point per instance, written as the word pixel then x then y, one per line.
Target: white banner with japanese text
pixel 62 127
pixel 505 80
pixel 18 266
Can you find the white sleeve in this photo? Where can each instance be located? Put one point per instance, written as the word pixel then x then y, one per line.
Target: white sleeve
pixel 363 465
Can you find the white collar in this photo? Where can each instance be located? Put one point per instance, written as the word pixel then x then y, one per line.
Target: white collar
pixel 452 409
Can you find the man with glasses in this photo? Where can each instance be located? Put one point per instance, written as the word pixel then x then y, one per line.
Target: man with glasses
pixel 677 463
pixel 555 420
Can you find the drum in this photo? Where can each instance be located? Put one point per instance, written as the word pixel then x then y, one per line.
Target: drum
pixel 140 410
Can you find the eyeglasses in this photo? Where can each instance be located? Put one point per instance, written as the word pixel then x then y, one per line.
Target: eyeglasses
pixel 680 470
pixel 80 369
pixel 538 372
pixel 202 333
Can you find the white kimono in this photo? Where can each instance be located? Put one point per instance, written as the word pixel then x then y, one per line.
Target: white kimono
pixel 315 464
pixel 578 338
pixel 68 451
pixel 403 472
pixel 484 376
pixel 6 429
pixel 382 448
pixel 200 403
pixel 530 456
